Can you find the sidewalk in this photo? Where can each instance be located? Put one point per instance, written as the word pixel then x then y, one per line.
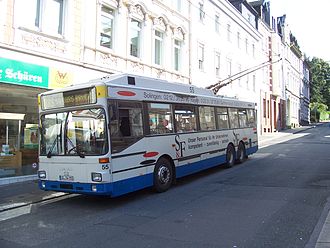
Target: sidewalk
pixel 263 139
pixel 21 191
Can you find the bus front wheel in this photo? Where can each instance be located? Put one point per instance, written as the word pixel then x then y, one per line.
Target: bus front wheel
pixel 230 156
pixel 163 175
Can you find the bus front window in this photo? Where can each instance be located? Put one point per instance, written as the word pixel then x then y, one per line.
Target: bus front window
pixel 80 132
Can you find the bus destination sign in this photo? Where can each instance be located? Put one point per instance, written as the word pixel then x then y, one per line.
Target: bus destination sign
pixel 69 98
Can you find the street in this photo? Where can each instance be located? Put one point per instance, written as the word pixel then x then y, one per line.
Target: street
pixel 277 198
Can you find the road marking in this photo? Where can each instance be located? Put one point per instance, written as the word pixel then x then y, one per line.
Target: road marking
pixel 324 237
pixel 10 211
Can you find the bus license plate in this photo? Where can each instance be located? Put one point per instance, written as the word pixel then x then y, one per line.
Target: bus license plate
pixel 66 178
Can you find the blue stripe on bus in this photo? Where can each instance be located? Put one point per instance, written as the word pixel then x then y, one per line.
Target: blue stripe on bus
pixel 251 150
pixel 188 169
pixel 135 183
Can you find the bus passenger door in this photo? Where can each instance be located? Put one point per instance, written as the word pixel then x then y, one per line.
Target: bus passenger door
pixel 126 135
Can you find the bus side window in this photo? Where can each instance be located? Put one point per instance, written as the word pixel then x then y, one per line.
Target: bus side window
pixel 233 118
pixel 160 118
pixel 242 116
pixel 207 118
pixel 185 118
pixel 222 116
pixel 126 125
pixel 251 118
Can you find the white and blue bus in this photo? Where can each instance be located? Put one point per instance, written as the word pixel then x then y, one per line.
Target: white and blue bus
pixel 125 132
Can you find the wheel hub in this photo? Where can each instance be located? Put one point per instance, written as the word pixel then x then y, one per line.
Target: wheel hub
pixel 164 175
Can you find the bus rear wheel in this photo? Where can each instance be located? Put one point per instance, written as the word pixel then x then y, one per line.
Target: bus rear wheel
pixel 241 153
pixel 230 156
pixel 163 175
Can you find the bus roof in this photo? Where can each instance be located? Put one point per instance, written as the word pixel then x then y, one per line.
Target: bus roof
pixel 150 84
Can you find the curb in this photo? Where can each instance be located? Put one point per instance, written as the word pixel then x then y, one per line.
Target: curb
pixel 9 180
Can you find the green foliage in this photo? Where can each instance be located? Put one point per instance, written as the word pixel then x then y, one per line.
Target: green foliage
pixel 318 111
pixel 325 116
pixel 319 84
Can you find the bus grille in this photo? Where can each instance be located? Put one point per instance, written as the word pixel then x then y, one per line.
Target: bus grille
pixel 66 186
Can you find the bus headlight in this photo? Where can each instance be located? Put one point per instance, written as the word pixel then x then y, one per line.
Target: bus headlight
pixel 42 174
pixel 96 177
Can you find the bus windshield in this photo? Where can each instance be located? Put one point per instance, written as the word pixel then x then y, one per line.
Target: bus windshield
pixel 71 133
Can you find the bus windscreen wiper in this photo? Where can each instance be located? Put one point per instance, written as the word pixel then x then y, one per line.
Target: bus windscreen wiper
pixel 49 154
pixel 75 148
pixel 66 138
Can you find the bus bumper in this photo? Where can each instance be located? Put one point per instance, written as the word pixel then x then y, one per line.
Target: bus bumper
pixel 77 188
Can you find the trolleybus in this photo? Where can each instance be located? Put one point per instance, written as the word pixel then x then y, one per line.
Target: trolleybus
pixel 124 132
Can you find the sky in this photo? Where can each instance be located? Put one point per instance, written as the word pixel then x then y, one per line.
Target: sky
pixel 309 21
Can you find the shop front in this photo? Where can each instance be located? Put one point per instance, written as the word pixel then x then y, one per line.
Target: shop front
pixel 20 83
pixel 22 78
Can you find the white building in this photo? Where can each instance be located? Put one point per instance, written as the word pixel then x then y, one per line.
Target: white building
pixel 225 42
pixel 143 37
pixel 292 72
pixel 49 44
pixel 305 96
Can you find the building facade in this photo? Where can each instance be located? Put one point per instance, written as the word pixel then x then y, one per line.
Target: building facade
pixel 292 70
pixel 231 46
pixel 305 96
pixel 48 44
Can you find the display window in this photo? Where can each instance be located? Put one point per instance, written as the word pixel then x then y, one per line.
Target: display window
pixel 18 143
pixel 19 133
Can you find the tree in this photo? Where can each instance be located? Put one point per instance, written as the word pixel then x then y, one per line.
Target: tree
pixel 319 86
pixel 318 111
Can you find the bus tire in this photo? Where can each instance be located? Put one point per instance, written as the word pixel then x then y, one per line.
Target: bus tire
pixel 163 175
pixel 230 156
pixel 241 153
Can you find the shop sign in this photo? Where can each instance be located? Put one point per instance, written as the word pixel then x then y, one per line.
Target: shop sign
pixel 16 72
pixel 59 78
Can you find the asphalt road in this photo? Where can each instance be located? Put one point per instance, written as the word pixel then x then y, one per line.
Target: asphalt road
pixel 275 199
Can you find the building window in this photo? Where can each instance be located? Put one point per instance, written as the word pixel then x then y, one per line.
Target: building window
pixel 201 57
pixel 201 12
pixel 159 36
pixel 44 15
pixel 239 68
pixel 238 39
pixel 253 50
pixel 177 55
pixel 217 23
pixel 268 109
pixel 228 67
pixel 177 5
pixel 246 45
pixel 254 83
pixel 247 81
pixel 135 38
pixel 217 64
pixel 107 16
pixel 228 32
